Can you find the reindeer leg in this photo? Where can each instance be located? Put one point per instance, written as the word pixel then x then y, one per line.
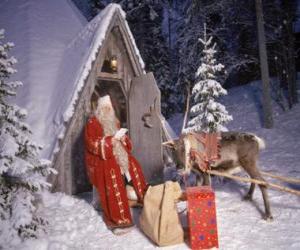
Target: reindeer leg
pixel 251 169
pixel 202 179
pixel 199 180
pixel 249 195
pixel 263 189
pixel 268 215
pixel 206 179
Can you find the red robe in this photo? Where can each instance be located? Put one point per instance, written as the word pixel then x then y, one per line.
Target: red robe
pixel 105 174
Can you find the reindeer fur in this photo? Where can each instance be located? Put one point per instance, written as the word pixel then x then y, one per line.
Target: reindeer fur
pixel 238 151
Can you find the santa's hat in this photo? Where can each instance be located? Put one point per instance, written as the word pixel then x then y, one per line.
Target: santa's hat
pixel 104 101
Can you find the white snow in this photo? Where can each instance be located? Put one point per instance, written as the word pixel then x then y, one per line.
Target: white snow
pixel 55 47
pixel 74 224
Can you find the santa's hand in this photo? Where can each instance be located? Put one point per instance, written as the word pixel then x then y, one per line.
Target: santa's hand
pixel 120 133
pixel 123 139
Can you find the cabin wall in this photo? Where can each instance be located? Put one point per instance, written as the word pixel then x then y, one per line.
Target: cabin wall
pixel 69 161
pixel 70 164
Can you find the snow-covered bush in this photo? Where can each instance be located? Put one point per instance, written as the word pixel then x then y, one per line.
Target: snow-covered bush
pixel 207 114
pixel 22 173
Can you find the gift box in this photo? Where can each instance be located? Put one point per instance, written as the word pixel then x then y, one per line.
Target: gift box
pixel 202 219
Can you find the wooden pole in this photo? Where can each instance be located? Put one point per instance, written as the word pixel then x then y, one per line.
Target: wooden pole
pixel 187 108
pixel 286 179
pixel 259 182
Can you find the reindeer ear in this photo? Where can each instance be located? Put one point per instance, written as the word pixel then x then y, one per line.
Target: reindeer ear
pixel 169 144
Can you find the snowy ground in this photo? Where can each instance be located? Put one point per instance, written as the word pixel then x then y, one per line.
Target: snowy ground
pixel 74 224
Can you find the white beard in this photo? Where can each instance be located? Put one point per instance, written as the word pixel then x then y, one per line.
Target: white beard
pixel 109 123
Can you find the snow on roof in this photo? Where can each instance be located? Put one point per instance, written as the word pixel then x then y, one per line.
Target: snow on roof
pixel 96 29
pixel 55 47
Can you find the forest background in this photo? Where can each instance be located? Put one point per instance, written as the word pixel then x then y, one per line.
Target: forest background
pixel 167 33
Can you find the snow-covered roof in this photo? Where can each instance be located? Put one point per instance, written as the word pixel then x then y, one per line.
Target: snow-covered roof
pixel 55 47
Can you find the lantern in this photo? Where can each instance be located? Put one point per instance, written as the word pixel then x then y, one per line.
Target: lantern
pixel 114 63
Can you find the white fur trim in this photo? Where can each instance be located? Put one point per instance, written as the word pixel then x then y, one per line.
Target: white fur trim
pixel 102 148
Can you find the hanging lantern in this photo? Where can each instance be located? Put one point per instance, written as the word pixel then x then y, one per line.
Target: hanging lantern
pixel 114 63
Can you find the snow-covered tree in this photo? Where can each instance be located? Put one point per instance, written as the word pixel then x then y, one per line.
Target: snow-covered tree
pixel 22 173
pixel 229 22
pixel 207 114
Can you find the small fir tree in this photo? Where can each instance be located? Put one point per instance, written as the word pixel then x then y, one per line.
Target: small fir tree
pixel 22 173
pixel 207 114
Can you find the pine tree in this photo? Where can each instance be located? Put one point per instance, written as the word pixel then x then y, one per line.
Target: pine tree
pixel 229 23
pixel 22 173
pixel 207 114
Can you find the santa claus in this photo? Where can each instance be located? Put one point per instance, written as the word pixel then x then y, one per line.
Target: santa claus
pixel 110 165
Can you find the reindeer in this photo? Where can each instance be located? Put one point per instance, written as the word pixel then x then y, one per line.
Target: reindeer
pixel 237 151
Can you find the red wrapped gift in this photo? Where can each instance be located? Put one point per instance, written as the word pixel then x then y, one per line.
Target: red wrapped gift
pixel 202 219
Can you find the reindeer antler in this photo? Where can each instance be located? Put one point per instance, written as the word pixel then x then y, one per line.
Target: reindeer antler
pixel 169 144
pixel 186 108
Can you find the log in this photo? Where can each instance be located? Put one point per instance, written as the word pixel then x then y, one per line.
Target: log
pixel 282 178
pixel 259 182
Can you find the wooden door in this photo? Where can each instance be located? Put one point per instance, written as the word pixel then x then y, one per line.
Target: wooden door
pixel 145 126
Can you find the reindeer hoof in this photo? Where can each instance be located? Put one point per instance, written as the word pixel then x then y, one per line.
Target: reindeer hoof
pixel 268 217
pixel 247 197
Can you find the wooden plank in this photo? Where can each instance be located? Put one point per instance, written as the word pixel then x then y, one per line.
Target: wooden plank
pixel 259 182
pixel 109 76
pixel 282 178
pixel 146 137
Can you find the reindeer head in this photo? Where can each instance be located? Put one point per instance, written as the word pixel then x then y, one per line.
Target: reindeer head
pixel 182 151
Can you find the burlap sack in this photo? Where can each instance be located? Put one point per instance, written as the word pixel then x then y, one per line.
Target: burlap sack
pixel 159 218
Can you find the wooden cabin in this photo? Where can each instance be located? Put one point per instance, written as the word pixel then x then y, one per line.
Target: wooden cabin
pixel 117 71
pixel 100 55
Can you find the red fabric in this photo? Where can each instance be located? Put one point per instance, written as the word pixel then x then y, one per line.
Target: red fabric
pixel 211 151
pixel 202 217
pixel 105 174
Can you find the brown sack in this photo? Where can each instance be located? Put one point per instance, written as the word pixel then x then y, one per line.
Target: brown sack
pixel 159 218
